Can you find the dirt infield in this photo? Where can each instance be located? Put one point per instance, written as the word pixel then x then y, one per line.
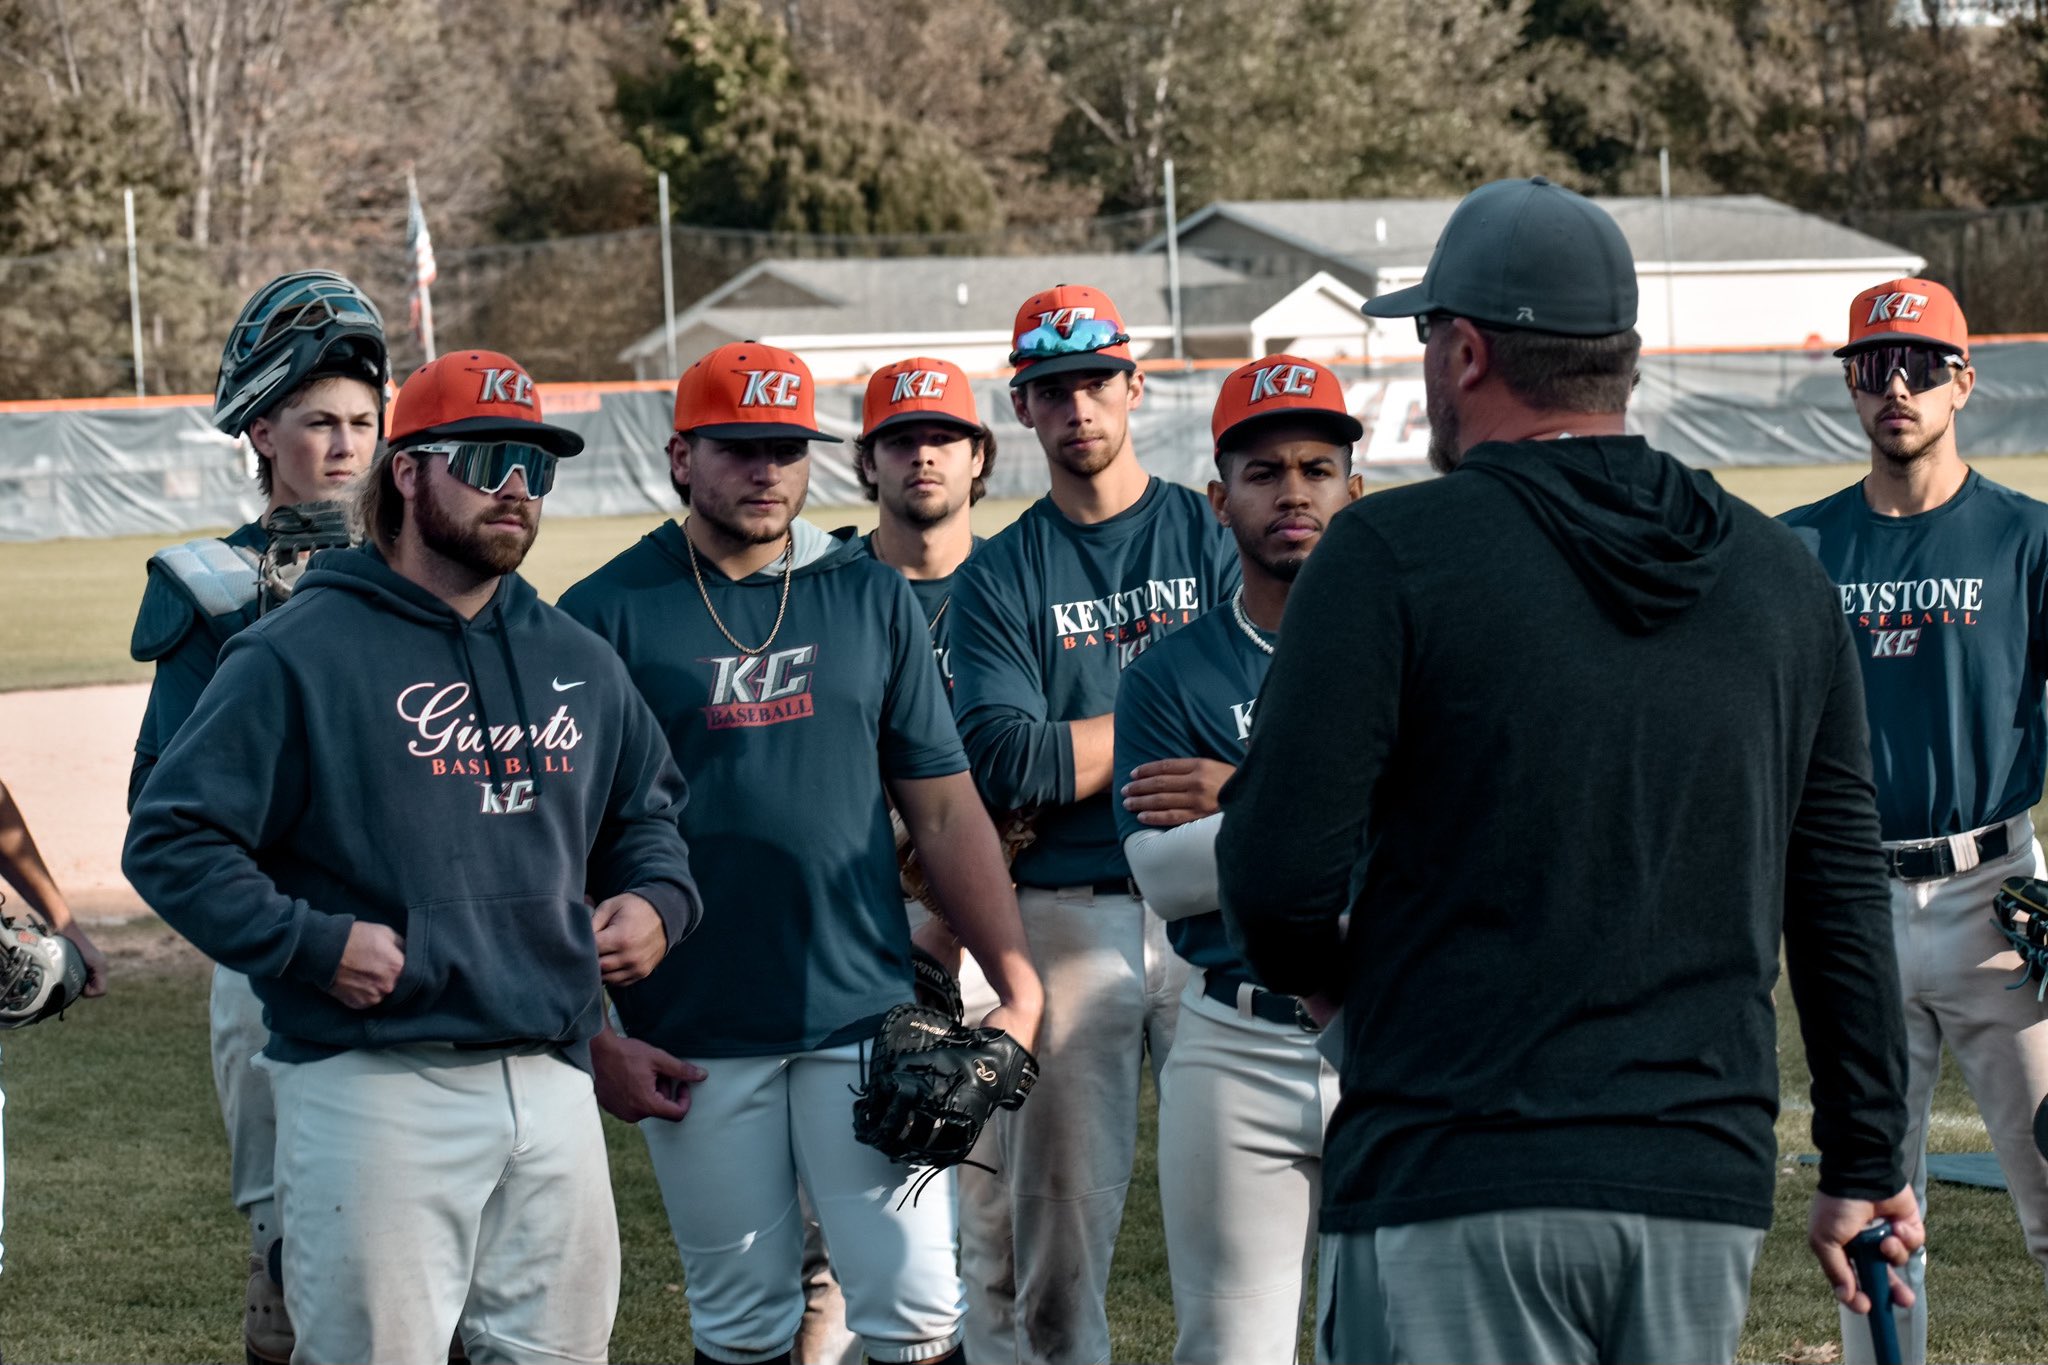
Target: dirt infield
pixel 65 755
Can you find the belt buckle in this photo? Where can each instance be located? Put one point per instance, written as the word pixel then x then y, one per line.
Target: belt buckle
pixel 1937 850
pixel 1303 1020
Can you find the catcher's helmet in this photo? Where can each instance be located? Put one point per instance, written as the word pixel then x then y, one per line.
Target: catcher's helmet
pixel 41 973
pixel 310 323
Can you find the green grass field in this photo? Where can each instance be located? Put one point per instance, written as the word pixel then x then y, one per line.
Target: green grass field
pixel 121 1245
pixel 70 604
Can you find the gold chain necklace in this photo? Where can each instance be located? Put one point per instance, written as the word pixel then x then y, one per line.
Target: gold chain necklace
pixel 931 627
pixel 788 568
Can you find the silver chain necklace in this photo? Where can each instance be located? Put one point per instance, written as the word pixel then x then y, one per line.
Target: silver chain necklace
pixel 782 609
pixel 1244 623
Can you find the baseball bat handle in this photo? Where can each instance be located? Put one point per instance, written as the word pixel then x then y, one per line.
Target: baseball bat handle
pixel 1873 1273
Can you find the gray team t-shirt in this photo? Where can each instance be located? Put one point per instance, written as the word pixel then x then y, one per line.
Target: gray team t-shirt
pixel 804 944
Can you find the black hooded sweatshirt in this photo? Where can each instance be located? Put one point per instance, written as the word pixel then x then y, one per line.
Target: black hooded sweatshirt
pixel 1585 736
pixel 366 753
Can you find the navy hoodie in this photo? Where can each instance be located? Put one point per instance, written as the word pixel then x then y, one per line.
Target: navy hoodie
pixel 365 753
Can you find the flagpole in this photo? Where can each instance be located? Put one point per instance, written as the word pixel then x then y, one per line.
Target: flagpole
pixel 420 252
pixel 427 322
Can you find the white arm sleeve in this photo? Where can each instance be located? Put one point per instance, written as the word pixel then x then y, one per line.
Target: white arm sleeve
pixel 1176 868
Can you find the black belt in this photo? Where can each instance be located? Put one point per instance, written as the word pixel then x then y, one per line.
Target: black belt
pixel 1923 862
pixel 1271 1006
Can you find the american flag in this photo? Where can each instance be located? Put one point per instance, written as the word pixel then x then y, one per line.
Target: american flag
pixel 419 250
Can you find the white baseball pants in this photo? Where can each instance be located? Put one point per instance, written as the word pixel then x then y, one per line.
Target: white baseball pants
pixel 1112 993
pixel 1242 1108
pixel 988 1265
pixel 431 1190
pixel 729 1174
pixel 236 1038
pixel 1954 967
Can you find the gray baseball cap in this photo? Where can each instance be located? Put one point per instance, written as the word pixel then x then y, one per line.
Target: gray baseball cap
pixel 1527 254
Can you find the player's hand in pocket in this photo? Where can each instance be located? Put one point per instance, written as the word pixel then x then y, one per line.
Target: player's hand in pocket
pixel 370 963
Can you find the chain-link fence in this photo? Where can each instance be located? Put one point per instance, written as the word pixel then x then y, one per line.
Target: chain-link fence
pixel 565 307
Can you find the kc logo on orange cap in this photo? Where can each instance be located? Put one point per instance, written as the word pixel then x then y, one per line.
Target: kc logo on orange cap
pixel 1907 312
pixel 1282 386
pixel 920 389
pixel 745 391
pixel 480 395
pixel 1067 328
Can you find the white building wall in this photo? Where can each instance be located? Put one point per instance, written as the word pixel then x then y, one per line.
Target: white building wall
pixel 1314 323
pixel 1754 308
pixel 1696 307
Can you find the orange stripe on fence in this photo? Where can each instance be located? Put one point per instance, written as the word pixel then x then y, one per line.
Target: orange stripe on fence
pixel 567 393
pixel 176 400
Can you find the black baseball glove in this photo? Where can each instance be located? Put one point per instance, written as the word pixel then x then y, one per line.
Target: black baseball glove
pixel 931 1084
pixel 936 987
pixel 2020 910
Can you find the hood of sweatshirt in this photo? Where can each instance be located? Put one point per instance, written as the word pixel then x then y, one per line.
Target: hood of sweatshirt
pixel 1646 535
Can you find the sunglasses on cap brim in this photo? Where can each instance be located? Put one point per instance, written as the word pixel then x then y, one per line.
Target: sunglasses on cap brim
pixel 1045 341
pixel 1922 367
pixel 488 466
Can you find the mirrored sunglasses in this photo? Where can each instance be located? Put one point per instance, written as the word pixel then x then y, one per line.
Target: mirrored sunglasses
pixel 1922 367
pixel 487 466
pixel 1045 341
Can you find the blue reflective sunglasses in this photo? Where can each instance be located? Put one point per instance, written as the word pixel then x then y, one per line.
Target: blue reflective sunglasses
pixel 1045 341
pixel 1922 367
pixel 487 466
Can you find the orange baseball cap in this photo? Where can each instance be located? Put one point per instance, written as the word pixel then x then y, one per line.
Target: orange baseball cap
pixel 476 396
pixel 1066 328
pixel 1282 386
pixel 920 389
pixel 1907 312
pixel 745 391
